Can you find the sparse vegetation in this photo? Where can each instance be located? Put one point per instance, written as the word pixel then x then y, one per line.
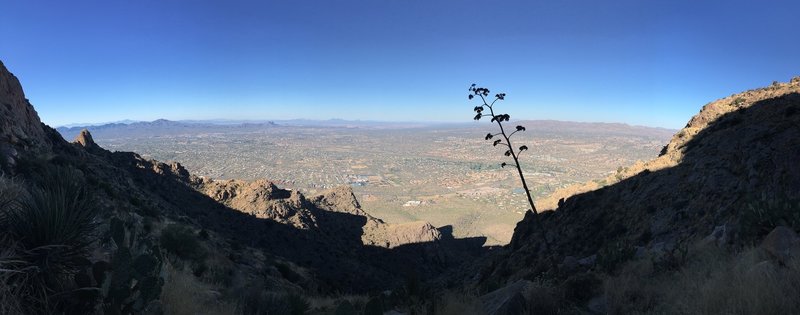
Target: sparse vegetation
pixel 762 214
pixel 49 231
pixel 714 281
pixel 614 255
pixel 183 294
pixel 453 303
pixel 182 241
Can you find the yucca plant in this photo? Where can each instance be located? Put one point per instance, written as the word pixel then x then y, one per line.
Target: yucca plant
pixel 11 267
pixel 52 226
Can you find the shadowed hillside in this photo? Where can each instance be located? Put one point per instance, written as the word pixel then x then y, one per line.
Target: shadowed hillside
pixel 714 182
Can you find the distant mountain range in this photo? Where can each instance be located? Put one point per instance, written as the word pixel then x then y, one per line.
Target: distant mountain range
pixel 163 127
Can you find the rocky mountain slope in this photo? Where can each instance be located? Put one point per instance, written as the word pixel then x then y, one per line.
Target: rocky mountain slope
pixel 717 180
pixel 230 235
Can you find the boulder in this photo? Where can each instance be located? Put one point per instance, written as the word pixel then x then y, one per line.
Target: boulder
pixel 782 244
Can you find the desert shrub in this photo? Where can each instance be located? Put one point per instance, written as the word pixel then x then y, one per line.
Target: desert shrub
pixel 713 281
pixel 182 241
pixel 761 215
pixel 10 293
pixel 345 308
pixel 673 259
pixel 581 287
pixel 183 294
pixel 412 284
pixel 610 257
pixel 544 300
pixel 260 302
pixel 298 305
pixel 453 303
pixel 375 306
pixel 288 273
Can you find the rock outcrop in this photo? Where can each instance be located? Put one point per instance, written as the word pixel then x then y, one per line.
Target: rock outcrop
pixel 84 139
pixel 19 122
pixel 265 200
pixel 20 127
pixel 260 198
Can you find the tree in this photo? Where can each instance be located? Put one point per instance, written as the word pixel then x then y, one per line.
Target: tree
pixel 482 94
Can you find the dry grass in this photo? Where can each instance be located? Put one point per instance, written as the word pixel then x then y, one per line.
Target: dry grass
pixel 322 304
pixel 712 282
pixel 453 303
pixel 183 294
pixel 10 295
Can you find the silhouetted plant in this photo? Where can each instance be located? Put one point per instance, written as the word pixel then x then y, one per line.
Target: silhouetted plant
pixel 482 94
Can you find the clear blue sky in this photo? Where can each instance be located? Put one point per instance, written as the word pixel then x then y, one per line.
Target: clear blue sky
pixel 641 62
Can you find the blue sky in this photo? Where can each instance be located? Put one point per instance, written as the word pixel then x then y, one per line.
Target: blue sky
pixel 641 62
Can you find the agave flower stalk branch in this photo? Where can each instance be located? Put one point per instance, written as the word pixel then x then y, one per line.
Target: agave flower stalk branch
pixel 514 154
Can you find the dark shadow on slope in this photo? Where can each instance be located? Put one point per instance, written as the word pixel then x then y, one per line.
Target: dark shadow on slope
pixel 753 151
pixel 334 252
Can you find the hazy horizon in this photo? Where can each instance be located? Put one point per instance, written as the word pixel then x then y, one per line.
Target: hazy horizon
pixel 246 121
pixel 634 62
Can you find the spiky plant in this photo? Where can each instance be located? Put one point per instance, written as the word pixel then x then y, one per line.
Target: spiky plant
pixel 53 226
pixel 11 294
pixel 482 94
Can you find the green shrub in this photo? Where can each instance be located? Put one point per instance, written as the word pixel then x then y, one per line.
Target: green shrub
pixel 182 241
pixel 761 215
pixel 610 257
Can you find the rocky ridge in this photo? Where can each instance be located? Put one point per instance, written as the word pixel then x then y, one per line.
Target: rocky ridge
pixel 264 199
pixel 672 154
pixel 736 151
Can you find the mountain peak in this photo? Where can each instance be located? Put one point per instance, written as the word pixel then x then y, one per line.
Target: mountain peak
pixel 84 139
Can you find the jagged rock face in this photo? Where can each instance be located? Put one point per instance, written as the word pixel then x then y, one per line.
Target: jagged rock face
pixel 262 199
pixel 84 139
pixel 340 199
pixel 393 235
pixel 20 127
